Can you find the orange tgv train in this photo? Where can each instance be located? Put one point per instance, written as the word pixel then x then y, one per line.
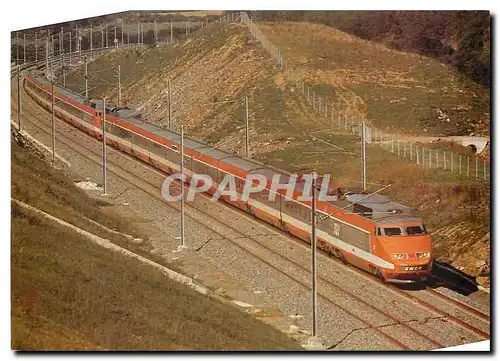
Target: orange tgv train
pixel 371 232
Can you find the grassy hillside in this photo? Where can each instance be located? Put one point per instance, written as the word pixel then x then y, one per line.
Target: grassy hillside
pixel 70 294
pixel 460 39
pixel 400 92
pixel 211 72
pixel 221 63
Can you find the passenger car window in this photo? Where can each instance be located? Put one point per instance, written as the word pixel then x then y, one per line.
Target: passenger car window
pixel 412 230
pixel 392 231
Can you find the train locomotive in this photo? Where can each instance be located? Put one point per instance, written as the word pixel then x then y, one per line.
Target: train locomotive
pixel 370 231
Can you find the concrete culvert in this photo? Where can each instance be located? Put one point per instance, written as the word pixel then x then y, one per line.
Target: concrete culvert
pixel 471 149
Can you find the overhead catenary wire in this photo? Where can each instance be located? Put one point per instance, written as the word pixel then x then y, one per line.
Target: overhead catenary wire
pixel 350 204
pixel 335 146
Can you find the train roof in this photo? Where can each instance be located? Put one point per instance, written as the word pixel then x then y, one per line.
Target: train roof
pixel 380 208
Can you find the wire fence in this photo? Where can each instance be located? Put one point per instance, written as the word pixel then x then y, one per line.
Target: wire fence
pixel 471 166
pixel 258 35
pixel 466 165
pixel 33 45
pixel 336 111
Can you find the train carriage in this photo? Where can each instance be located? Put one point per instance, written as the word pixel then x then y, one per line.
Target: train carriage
pixel 371 232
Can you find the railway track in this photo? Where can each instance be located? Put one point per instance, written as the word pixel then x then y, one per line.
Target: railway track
pixel 324 283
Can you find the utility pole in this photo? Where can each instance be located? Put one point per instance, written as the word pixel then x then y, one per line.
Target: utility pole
pixel 91 41
pixel 64 71
pixel 53 125
pixel 247 141
pixel 119 87
pixel 77 43
pixel 363 153
pixel 53 54
pixel 169 106
pixel 19 97
pixel 182 186
pixel 47 57
pixel 313 256
pixel 61 42
pixel 17 47
pixel 79 46
pixel 86 80
pixel 102 37
pixel 69 60
pixel 104 167
pixel 155 31
pixel 106 30
pixel 128 34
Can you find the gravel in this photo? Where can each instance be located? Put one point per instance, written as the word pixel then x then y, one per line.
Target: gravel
pixel 233 271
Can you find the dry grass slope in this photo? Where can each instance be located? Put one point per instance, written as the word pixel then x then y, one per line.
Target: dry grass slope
pixel 69 294
pixel 399 91
pixel 221 62
pixel 216 64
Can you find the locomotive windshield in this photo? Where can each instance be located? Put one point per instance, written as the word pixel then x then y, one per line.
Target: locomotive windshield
pixel 392 231
pixel 415 230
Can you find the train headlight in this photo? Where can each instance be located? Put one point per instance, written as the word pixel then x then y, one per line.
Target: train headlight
pixel 400 256
pixel 421 255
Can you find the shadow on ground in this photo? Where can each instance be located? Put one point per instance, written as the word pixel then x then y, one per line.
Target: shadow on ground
pixel 445 275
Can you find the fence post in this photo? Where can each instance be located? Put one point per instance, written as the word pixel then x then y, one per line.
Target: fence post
pixel 404 149
pixel 430 158
pixel 451 155
pixel 460 164
pixel 444 159
pixel 416 154
pixel 437 158
pixel 411 151
pixel 392 144
pixel 468 166
pixel 477 175
pixel 423 157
